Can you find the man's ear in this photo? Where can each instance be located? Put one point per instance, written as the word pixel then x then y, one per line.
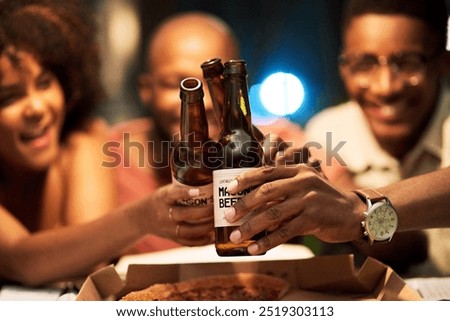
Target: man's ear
pixel 145 88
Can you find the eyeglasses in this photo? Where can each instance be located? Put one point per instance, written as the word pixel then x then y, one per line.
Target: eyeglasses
pixel 406 67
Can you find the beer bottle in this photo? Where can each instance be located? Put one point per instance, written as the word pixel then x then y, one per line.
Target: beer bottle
pixel 190 161
pixel 213 75
pixel 239 150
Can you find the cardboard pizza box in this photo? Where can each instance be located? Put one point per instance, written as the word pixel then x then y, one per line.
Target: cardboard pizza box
pixel 312 278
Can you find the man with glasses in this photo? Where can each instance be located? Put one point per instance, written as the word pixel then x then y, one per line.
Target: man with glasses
pixel 395 68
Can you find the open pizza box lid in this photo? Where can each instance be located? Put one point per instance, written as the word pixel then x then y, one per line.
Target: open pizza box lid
pixel 311 278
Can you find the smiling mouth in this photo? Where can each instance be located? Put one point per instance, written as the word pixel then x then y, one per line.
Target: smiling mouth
pixel 32 135
pixel 388 111
pixel 393 113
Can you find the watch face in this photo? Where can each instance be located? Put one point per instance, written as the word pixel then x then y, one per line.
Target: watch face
pixel 382 221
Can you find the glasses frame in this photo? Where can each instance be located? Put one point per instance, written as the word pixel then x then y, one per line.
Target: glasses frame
pixel 418 66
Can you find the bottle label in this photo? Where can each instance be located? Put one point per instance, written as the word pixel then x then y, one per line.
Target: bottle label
pixel 204 198
pixel 223 200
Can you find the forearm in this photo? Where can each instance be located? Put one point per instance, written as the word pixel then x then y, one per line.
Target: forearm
pixel 313 206
pixel 421 202
pixel 71 251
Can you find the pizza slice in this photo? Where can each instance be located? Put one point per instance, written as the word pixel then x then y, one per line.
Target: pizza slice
pixel 229 287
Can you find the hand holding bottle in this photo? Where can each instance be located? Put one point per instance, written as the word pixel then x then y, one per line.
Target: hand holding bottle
pixel 290 201
pixel 239 150
pixel 160 214
pixel 191 158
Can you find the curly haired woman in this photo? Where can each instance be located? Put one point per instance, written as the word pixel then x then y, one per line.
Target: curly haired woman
pixel 54 193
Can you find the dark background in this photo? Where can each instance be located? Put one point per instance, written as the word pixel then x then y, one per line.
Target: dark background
pixel 296 36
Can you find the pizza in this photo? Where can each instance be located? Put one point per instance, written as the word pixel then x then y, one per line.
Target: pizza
pixel 229 287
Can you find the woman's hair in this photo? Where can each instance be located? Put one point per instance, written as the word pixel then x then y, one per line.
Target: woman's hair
pixel 61 35
pixel 433 12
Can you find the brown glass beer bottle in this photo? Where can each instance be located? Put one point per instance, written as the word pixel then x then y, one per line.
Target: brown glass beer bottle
pixel 213 75
pixel 190 161
pixel 239 150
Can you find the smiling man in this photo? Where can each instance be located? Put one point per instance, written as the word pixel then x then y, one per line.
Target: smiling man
pixel 395 69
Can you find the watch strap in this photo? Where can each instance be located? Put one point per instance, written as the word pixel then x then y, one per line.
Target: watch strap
pixel 371 194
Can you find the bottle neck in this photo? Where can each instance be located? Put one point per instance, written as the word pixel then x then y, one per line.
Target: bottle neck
pixel 194 124
pixel 216 88
pixel 236 113
pixel 213 74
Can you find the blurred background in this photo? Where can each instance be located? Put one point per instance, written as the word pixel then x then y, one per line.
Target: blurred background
pixel 298 40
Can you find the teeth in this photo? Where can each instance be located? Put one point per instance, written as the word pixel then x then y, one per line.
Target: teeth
pixel 394 110
pixel 388 110
pixel 33 133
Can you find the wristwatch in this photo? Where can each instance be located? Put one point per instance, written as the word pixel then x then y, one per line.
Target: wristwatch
pixel 380 220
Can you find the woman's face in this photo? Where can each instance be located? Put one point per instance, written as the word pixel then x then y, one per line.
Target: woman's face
pixel 32 112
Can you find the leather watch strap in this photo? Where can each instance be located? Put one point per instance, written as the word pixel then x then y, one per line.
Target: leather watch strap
pixel 370 193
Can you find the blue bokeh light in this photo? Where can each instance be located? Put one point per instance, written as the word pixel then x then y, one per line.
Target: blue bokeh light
pixel 282 93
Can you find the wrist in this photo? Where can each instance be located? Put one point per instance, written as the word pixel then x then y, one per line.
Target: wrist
pixel 358 208
pixel 380 218
pixel 140 215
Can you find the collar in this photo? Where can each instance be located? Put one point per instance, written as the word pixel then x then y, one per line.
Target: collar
pixel 431 141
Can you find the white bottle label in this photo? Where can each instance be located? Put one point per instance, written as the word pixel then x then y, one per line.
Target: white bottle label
pixel 204 198
pixel 224 200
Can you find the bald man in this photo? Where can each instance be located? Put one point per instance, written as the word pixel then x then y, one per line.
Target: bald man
pixel 176 49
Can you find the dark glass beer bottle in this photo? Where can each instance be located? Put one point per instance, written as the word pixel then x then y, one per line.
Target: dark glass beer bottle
pixel 190 164
pixel 239 150
pixel 213 75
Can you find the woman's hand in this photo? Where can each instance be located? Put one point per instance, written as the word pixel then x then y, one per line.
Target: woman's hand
pixel 291 200
pixel 187 225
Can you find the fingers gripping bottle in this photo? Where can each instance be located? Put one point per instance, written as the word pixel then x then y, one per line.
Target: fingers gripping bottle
pixel 239 150
pixel 190 160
